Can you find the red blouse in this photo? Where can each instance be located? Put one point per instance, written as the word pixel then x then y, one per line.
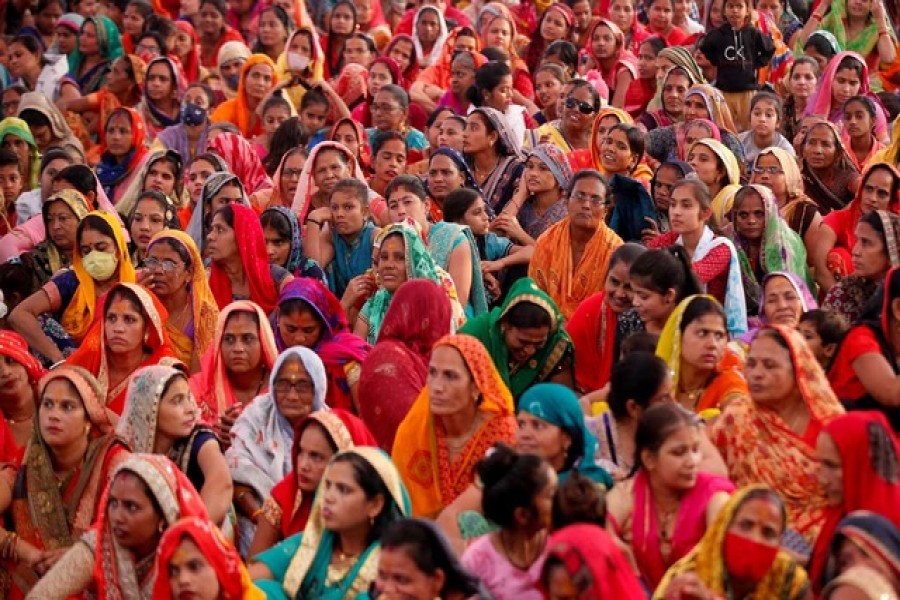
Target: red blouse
pixel 712 270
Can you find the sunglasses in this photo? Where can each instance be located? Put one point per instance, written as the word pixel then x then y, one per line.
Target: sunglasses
pixel 584 107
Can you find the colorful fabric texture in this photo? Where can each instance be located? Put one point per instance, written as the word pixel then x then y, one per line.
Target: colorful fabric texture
pixel 237 110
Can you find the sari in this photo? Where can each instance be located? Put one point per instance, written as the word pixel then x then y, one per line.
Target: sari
pixel 798 210
pixel 872 534
pixel 567 284
pixel 109 44
pixel 591 557
pixel 556 353
pixel 807 301
pixel 443 238
pixel 234 580
pixel 419 315
pixel 302 565
pixel 438 72
pixel 115 174
pixel 656 115
pixel 211 387
pixel 780 249
pixel 155 119
pixel 307 190
pixel 19 128
pixel 625 60
pixel 868 449
pixel 287 508
pixel 727 385
pixel 49 513
pixel 364 154
pixel 821 103
pixel 298 264
pixel 596 141
pixel 197 336
pixel 719 112
pixel 254 261
pixel 132 192
pixel 864 43
pixel 341 352
pixel 500 185
pixel 533 223
pixel 890 154
pixel 785 579
pixel 758 447
pixel 420 446
pixel 191 64
pixel 242 160
pixel 412 71
pixel 79 314
pixel 45 260
pixel 201 216
pixel 237 110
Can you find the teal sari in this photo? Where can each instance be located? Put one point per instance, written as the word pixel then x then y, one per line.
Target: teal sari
pixel 350 260
pixel 443 238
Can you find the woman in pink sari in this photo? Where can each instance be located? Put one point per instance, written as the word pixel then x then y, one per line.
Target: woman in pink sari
pixel 663 511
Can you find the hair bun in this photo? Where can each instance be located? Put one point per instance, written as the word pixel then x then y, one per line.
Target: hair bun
pixel 497 464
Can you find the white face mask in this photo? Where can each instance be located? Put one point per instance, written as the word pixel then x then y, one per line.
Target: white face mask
pixel 297 62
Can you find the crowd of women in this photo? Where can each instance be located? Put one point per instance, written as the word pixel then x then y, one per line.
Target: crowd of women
pixel 355 299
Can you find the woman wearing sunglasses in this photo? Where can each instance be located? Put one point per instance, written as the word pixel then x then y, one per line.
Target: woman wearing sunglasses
pixel 572 131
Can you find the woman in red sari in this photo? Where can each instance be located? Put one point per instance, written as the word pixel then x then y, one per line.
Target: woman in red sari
pixel 610 57
pixel 18 398
pixel 320 436
pixel 131 334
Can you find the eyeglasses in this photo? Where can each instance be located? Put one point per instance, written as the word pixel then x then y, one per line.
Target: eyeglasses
pixel 584 107
pixel 154 264
pixel 769 170
pixel 291 173
pixel 384 107
pixel 302 387
pixel 148 49
pixel 596 201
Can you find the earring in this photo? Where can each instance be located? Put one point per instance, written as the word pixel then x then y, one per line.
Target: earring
pixel 161 527
pixel 371 521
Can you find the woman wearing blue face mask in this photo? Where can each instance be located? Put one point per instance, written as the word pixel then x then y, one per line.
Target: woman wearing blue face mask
pixel 188 137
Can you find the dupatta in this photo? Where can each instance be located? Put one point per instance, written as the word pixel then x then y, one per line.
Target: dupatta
pixel 820 104
pixel 307 187
pixel 19 128
pixel 237 110
pixel 79 315
pixel 78 204
pixel 242 160
pixel 420 452
pixel 588 551
pixel 201 217
pixel 109 44
pixel 192 63
pixel 155 119
pixel 488 330
pixel 719 112
pixel 863 43
pixel 435 54
pixel 113 175
pixel 624 59
pixel 834 196
pixel 140 417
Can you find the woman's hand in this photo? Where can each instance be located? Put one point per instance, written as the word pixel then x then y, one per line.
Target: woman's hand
pixel 222 429
pixel 651 232
pixel 688 587
pixel 47 559
pixel 361 288
pixel 508 225
pixel 320 215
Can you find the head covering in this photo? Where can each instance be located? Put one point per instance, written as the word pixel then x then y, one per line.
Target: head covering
pixel 234 581
pixel 509 144
pixel 608 111
pixel 131 195
pixel 732 167
pixel 237 110
pixel 556 161
pixel 681 134
pixel 558 405
pixel 296 258
pixel 863 42
pixel 109 43
pixel 438 46
pixel 715 103
pixel 864 579
pixel 872 534
pixel 685 65
pixel 114 570
pixel 316 61
pixel 59 128
pixel 231 51
pixel 364 153
pixel 110 171
pixel 138 425
pixel 307 186
pixel 79 314
pixel 191 62
pixel 785 579
pixel 820 103
pixel 198 226
pixel 19 128
pixel 433 482
pixel 461 165
pixel 793 180
pixel 807 300
pixel 409 75
pixel 242 160
pixel 72 21
pixel 211 387
pixel 14 346
pixel 158 119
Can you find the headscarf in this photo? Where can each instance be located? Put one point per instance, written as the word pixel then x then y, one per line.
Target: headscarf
pixel 438 47
pixel 198 225
pixel 417 452
pixel 461 165
pixel 558 405
pixel 491 12
pixel 109 42
pixel 718 109
pixel 307 186
pixel 79 315
pixel 192 63
pixel 556 161
pixel 409 75
pixel 296 257
pixel 624 58
pixel 234 580
pixel 138 425
pixel 237 110
pixel 510 145
pixel 785 578
pixel 844 168
pixel 871 480
pixel 891 153
pixel 793 179
pixel 681 135
pixel 721 204
pixel 59 128
pixel 364 157
pixel 591 557
pixel 488 329
pixel 19 128
pixel 114 571
pixel 251 247
pixel 871 533
pixel 72 21
pixel 869 582
pixel 110 172
pixel 821 102
pixel 608 111
pixel 211 386
pixel 684 61
pixel 232 50
pixel 131 195
pixel 315 70
pixel 159 120
pixel 863 43
pixel 242 159
pixel 14 346
pixel 807 300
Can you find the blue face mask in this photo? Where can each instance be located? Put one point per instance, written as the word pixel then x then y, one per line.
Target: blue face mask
pixel 233 80
pixel 193 114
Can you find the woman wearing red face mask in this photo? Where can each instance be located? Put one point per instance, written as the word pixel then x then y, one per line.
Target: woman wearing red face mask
pixel 740 553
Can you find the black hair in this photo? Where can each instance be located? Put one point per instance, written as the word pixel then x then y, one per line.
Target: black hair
pixel 179 249
pixel 665 269
pixel 355 187
pixel 830 325
pixel 307 423
pixel 289 138
pixel 155 36
pixel 224 127
pixel 143 7
pixel 578 500
pixel 700 307
pixel 94 223
pixel 487 77
pixel 34 118
pixel 276 220
pixel 458 202
pixel 208 91
pixel 174 159
pixel 425 546
pixel 805 60
pixel 770 495
pixel 657 424
pixel 17 88
pixel 250 314
pixel 372 486
pixel 578 84
pixel 766 96
pixel 314 97
pixel 399 94
pixel 820 45
pixel 588 174
pixel 554 69
pixel 43 5
pixel 495 54
pixel 123 292
pixel 16 281
pixel 527 315
pixel 626 253
pixel 282 17
pixel 275 101
pixel 30 43
pixel 867 103
pixel 433 116
pixel 164 27
pixel 226 211
pixel 639 341
pixel 383 137
pixel 891 104
pixel 172 380
pixel 565 51
pixel 851 63
pixel 635 139
pixel 637 377
pixel 699 189
pixel 895 181
pixel 873 220
pixel 8 158
pixel 510 481
pixel 370 43
pixel 410 183
pixel 157 509
pixel 80 177
pixel 170 217
pixel 657 43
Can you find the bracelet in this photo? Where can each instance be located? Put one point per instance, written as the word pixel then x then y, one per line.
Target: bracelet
pixel 884 32
pixel 314 222
pixel 817 17
pixel 255 516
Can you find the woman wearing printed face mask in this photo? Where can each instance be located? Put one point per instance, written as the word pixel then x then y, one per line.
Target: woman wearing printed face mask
pixel 188 137
pixel 99 261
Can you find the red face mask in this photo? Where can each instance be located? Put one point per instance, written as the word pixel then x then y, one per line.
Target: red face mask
pixel 747 559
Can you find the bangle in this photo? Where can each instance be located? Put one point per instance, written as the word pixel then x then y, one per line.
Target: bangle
pixel 314 222
pixel 255 516
pixel 882 32
pixel 817 17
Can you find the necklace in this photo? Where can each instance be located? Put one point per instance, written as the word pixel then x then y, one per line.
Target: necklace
pixel 12 421
pixel 480 175
pixel 527 552
pixel 178 319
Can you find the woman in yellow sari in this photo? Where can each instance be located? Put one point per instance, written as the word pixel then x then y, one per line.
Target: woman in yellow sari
pixel 464 409
pixel 175 273
pixel 302 44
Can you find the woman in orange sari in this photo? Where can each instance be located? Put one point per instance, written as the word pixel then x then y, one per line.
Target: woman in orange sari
pixel 258 78
pixel 129 333
pixel 440 441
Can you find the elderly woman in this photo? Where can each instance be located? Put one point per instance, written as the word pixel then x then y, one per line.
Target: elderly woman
pixel 829 174
pixel 262 436
pixel 571 258
pixel 464 409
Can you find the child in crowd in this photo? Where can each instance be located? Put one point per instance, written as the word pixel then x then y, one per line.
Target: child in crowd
pixel 766 112
pixel 823 330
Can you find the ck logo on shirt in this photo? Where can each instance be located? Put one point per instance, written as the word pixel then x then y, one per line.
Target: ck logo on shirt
pixel 733 53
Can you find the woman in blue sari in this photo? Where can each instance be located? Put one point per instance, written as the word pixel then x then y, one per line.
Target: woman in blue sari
pixel 336 563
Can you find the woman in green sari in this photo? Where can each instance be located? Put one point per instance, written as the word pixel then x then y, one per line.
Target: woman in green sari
pixel 526 339
pixel 336 557
pixel 99 44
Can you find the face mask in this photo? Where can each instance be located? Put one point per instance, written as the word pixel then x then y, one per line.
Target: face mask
pixel 100 265
pixel 233 80
pixel 193 114
pixel 297 62
pixel 748 559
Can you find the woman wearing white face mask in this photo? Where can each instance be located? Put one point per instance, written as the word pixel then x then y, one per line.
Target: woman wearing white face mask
pixel 301 61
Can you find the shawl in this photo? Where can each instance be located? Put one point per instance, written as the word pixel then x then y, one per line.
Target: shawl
pixel 820 104
pixel 112 173
pixel 412 71
pixel 79 206
pixel 237 110
pixel 729 382
pixel 315 70
pixel 488 329
pixel 780 249
pixel 418 316
pixel 683 60
pixel 261 437
pixel 198 226
pixel 109 43
pixel 568 284
pixel 234 580
pixel 864 42
pixel 153 117
pixel 306 575
pixel 865 580
pixel 297 263
pixel 443 237
pixel 785 579
pixel 420 451
pixel 19 128
pixel 254 260
pixel 79 315
pixel 242 160
pixel 115 573
pixel 558 405
pixel 591 556
pixel 871 481
pixel 718 110
pixel 198 336
pixel 211 386
pixel 873 534
pixel 274 196
pixel 191 63
pixel 843 171
pixel 438 73
pixel 345 431
pixel 92 354
pixel 593 331
pixel 138 425
pixel 62 136
pixel 596 141
pixel 338 348
pixel 632 204
pixel 759 447
pixel 307 187
pixel 435 54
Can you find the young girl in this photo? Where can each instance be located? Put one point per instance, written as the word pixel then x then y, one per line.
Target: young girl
pixel 275 111
pixel 451 134
pixel 642 89
pixel 765 118
pixel 803 78
pixel 859 123
pixel 548 87
pixel 607 54
pixel 389 160
pixel 660 280
pixel 624 15
pixel 556 24
pixel 659 15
